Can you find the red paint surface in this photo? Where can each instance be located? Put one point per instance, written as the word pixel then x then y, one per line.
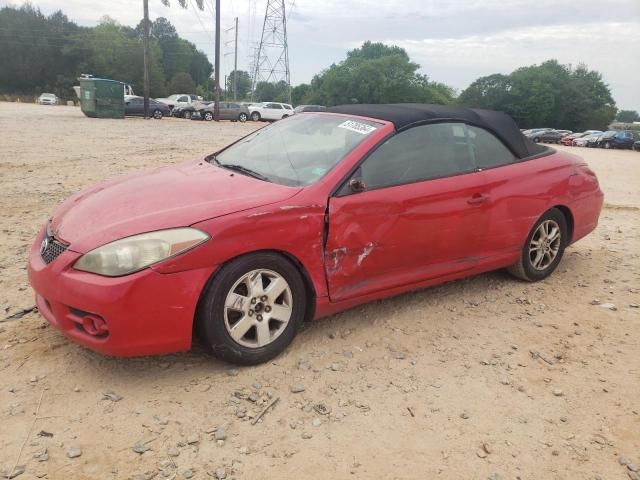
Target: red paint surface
pixel 378 243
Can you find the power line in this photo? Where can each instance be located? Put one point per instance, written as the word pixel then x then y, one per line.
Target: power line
pixel 199 19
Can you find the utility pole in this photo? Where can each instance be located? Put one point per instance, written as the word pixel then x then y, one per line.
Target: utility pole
pixel 235 66
pixel 216 105
pixel 145 5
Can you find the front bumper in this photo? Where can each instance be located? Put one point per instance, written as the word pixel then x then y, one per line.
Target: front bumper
pixel 144 313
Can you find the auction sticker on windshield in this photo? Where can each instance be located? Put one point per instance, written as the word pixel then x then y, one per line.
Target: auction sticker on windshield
pixel 357 127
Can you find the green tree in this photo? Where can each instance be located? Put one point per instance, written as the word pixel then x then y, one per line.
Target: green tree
pixel 111 51
pixel 628 116
pixel 375 73
pixel 491 92
pixel 546 95
pixel 300 93
pixel 271 92
pixel 182 83
pixel 243 83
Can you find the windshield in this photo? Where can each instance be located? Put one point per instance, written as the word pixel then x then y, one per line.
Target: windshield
pixel 173 97
pixel 297 151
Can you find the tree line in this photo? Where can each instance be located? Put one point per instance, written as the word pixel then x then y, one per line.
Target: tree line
pixel 47 53
pixel 546 95
pixel 40 53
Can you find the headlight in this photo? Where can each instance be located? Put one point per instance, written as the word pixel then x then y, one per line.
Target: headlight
pixel 134 253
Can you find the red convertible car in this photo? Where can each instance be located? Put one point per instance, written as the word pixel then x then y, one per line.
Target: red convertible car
pixel 309 216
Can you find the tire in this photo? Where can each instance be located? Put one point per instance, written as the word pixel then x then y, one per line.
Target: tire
pixel 537 140
pixel 526 268
pixel 284 116
pixel 607 145
pixel 157 114
pixel 216 316
pixel 242 117
pixel 255 116
pixel 208 116
pixel 187 115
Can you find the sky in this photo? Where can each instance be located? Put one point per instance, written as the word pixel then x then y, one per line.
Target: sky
pixel 454 41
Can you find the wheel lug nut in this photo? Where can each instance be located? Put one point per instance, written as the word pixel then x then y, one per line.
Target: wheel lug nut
pixel 263 298
pixel 259 317
pixel 253 300
pixel 250 313
pixel 267 309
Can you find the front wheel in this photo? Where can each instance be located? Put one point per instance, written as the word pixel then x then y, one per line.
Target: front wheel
pixel 251 309
pixel 537 140
pixel 255 116
pixel 187 115
pixel 607 145
pixel 543 249
pixel 157 114
pixel 242 117
pixel 208 116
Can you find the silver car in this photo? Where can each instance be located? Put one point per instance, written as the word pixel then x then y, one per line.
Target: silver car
pixel 233 111
pixel 47 99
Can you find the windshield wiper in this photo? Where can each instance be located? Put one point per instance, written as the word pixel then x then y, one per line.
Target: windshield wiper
pixel 243 170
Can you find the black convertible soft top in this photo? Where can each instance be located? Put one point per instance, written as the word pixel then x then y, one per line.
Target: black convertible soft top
pixel 406 115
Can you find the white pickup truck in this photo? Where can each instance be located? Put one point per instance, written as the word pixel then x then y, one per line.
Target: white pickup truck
pixel 181 99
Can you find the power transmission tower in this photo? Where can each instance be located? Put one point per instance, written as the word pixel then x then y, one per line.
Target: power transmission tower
pixel 272 59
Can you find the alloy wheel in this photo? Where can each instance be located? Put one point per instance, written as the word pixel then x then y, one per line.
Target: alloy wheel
pixel 545 245
pixel 258 308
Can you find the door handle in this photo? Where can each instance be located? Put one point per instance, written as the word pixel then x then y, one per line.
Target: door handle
pixel 477 198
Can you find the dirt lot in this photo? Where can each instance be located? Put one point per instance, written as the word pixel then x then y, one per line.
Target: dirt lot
pixel 440 383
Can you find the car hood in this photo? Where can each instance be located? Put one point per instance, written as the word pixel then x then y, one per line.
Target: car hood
pixel 167 197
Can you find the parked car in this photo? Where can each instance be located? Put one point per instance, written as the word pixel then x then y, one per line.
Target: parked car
pixel 309 108
pixel 564 132
pixel 535 133
pixel 134 106
pixel 179 99
pixel 228 111
pixel 547 136
pixel 47 99
pixel 617 139
pixel 188 111
pixel 636 146
pixel 584 141
pixel 568 140
pixel 307 217
pixel 270 111
pixel 605 137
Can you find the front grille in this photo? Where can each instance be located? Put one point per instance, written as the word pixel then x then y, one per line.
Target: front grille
pixel 52 250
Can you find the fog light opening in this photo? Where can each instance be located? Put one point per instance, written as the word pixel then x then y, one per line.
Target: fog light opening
pixel 93 325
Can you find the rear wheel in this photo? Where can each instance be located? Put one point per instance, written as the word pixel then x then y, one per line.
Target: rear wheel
pixel 543 249
pixel 157 114
pixel 187 115
pixel 537 140
pixel 255 116
pixel 208 116
pixel 252 309
pixel 607 145
pixel 242 117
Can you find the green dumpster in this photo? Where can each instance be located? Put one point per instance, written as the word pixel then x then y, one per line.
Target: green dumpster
pixel 101 98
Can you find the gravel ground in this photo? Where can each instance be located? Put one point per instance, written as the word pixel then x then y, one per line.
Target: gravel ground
pixel 482 378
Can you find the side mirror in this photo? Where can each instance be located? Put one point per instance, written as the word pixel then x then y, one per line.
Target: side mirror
pixel 357 185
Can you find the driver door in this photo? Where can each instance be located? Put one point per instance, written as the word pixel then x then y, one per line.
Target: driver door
pixel 415 209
